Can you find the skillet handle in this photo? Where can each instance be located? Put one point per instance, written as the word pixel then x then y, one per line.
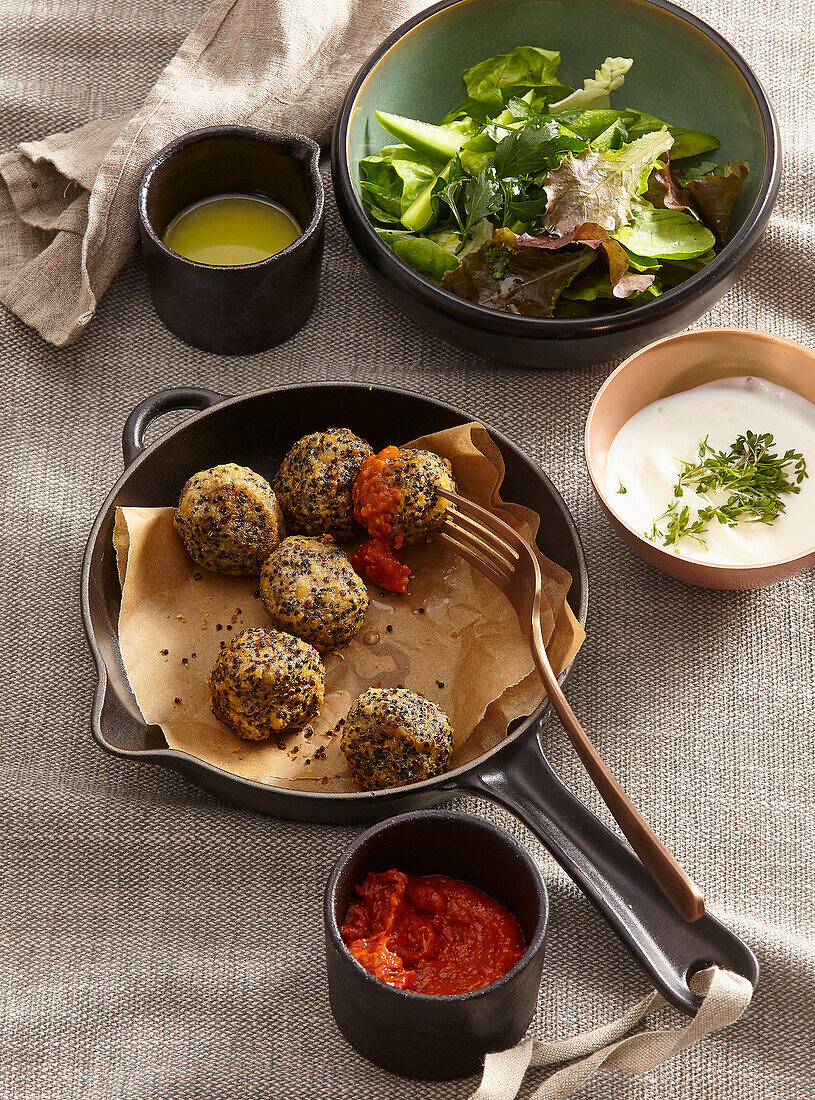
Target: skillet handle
pixel 186 397
pixel 668 948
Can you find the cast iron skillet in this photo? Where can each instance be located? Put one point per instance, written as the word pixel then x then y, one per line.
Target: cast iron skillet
pixel 256 431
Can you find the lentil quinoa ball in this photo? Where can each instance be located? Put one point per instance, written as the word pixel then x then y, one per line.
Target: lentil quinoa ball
pixel 315 479
pixel 309 588
pixel 396 496
pixel 229 519
pixel 392 737
pixel 266 682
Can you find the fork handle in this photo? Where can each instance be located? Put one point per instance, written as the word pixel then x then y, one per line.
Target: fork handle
pixel 667 947
pixel 673 879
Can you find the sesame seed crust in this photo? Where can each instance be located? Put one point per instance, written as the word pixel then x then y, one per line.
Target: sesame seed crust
pixel 392 737
pixel 315 479
pixel 229 519
pixel 310 589
pixel 266 682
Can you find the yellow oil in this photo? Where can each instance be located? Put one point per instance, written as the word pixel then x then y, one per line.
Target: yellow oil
pixel 231 229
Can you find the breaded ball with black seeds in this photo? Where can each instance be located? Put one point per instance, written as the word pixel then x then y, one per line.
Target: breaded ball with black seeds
pixel 266 682
pixel 396 497
pixel 309 588
pixel 392 737
pixel 315 479
pixel 422 511
pixel 229 519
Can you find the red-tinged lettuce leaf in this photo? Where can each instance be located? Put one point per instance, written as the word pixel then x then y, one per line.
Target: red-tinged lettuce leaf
pixel 624 283
pixel 505 277
pixel 600 186
pixel 525 240
pixel 664 190
pixel 716 193
pixel 632 284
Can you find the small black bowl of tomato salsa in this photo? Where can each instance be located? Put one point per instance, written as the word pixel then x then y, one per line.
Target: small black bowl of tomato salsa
pixel 435 924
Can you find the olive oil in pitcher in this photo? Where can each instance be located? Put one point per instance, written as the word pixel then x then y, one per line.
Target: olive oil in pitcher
pixel 230 230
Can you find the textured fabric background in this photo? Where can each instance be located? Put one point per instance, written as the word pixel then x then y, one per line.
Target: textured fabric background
pixel 156 944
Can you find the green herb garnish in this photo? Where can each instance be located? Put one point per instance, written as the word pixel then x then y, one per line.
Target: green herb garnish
pixel 754 478
pixel 622 488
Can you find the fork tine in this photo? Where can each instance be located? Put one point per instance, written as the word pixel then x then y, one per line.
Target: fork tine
pixel 488 519
pixel 475 540
pixel 486 534
pixel 477 562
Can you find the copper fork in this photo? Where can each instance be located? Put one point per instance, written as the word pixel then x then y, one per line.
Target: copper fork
pixel 493 548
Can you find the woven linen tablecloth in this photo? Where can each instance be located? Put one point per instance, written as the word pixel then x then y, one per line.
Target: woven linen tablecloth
pixel 157 944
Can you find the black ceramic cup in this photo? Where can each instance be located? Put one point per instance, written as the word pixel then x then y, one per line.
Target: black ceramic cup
pixel 246 308
pixel 417 1034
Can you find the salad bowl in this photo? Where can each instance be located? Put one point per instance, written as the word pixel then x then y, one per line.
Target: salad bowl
pixel 683 71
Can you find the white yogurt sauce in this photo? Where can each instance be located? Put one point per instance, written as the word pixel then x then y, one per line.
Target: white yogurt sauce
pixel 646 452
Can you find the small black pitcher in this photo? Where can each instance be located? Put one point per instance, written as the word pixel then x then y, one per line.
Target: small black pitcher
pixel 234 310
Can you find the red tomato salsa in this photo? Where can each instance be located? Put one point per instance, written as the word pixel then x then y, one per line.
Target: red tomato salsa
pixel 430 934
pixel 376 502
pixel 377 563
pixel 376 498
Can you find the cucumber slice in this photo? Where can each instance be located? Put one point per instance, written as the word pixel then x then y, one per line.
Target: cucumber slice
pixel 420 212
pixel 435 141
pixel 689 143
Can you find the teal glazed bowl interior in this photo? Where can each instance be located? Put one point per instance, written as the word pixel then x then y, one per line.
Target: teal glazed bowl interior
pixel 683 72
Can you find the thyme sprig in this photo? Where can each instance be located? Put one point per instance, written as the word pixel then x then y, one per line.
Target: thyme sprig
pixel 754 478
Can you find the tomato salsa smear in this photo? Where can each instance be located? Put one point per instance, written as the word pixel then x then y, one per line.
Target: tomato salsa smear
pixel 376 502
pixel 430 934
pixel 377 563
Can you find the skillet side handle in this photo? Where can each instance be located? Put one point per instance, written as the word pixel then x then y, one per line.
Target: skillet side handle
pixel 186 397
pixel 668 948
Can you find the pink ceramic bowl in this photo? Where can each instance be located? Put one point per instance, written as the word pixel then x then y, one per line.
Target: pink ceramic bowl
pixel 670 366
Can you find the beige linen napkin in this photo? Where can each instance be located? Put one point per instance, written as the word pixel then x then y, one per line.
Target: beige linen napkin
pixel 68 202
pixel 725 997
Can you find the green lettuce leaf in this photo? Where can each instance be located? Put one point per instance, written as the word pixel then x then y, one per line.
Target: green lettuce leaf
pixel 493 82
pixel 393 179
pixel 526 281
pixel 525 66
pixel 422 253
pixel 641 263
pixel 716 193
pixel 601 186
pixel 666 235
pixel 673 272
pixel 589 123
pixel 614 136
pixel 594 285
pixel 596 89
pixel 480 109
